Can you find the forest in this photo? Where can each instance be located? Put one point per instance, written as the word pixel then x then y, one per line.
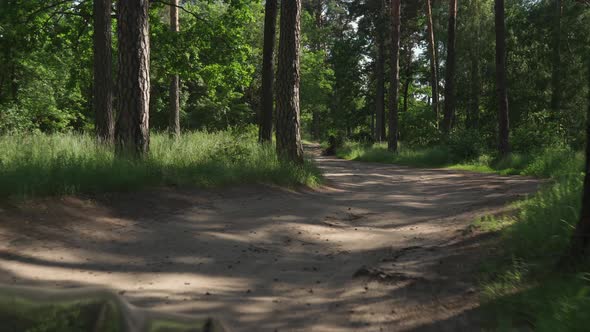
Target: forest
pixel 296 165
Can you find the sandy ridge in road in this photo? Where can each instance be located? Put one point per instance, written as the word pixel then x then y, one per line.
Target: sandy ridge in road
pixel 380 247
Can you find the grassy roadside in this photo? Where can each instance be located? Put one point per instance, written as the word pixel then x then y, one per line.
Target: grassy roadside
pixel 550 163
pixel 522 290
pixel 63 164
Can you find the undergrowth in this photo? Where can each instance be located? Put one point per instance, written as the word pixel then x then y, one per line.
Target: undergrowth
pixel 522 287
pixel 63 164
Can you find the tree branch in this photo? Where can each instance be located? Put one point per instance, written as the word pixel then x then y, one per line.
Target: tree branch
pixel 181 8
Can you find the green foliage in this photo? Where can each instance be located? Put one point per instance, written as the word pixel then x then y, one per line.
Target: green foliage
pixel 46 64
pixel 14 119
pixel 62 164
pixel 58 317
pixel 347 105
pixel 537 132
pixel 418 127
pixel 45 67
pixel 465 144
pixel 316 86
pixel 214 56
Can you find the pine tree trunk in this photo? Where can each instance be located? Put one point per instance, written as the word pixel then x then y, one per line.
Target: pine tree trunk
pixel 174 126
pixel 288 75
pixel 380 89
pixel 315 113
pixel 501 88
pixel 433 61
pixel 473 111
pixel 408 74
pixel 315 124
pixel 394 84
pixel 133 136
pixel 472 119
pixel 449 111
pixel 556 62
pixel 103 73
pixel 267 98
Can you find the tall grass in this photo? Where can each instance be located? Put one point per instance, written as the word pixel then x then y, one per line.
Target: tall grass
pixel 549 163
pixel 378 153
pixel 523 287
pixel 41 165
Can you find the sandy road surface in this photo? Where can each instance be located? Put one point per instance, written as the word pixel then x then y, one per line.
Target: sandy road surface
pixel 379 248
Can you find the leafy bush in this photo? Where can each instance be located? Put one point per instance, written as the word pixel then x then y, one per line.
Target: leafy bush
pixel 14 120
pixel 536 133
pixel 418 127
pixel 465 144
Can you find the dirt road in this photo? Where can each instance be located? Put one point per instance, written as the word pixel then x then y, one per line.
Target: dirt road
pixel 379 248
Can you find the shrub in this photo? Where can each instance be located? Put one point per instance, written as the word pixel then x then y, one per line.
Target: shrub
pixel 536 133
pixel 465 144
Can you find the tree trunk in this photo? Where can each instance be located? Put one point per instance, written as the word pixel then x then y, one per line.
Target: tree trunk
pixel 315 124
pixel 408 74
pixel 103 73
pixel 473 111
pixel 581 237
pixel 433 60
pixel 373 125
pixel 267 100
pixel 288 75
pixel 501 88
pixel 133 136
pixel 318 47
pixel 556 62
pixel 394 84
pixel 380 89
pixel 449 111
pixel 174 126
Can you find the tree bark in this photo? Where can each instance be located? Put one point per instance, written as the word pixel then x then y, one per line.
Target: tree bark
pixel 433 60
pixel 449 111
pixel 581 237
pixel 394 84
pixel 103 72
pixel 318 22
pixel 501 88
pixel 556 62
pixel 408 74
pixel 133 136
pixel 288 131
pixel 267 98
pixel 174 126
pixel 380 88
pixel 473 111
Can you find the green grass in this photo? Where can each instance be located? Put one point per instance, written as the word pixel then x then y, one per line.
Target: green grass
pixel 63 164
pixel 429 157
pixel 523 287
pixel 550 163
